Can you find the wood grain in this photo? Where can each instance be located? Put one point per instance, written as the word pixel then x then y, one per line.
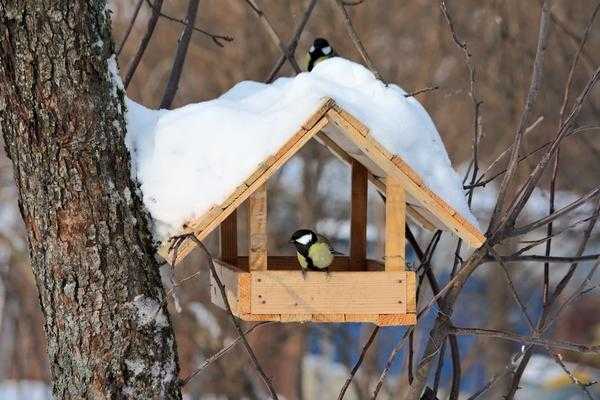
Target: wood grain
pixel 257 226
pixel 395 222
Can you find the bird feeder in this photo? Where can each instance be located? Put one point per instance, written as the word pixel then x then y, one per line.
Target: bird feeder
pixel 263 287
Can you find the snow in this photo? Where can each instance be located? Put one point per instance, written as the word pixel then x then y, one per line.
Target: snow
pixel 190 159
pixel 149 311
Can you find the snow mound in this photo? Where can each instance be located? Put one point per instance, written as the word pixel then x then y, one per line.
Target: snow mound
pixel 192 158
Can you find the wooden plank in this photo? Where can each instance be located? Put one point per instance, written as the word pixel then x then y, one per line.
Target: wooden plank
pixel 372 318
pixel 296 317
pixel 230 278
pixel 228 238
pixel 355 122
pixel 208 223
pixel 327 318
pixel 288 292
pixel 260 317
pixel 411 292
pixel 358 215
pixel 326 104
pixel 395 239
pixel 396 319
pixel 257 226
pixel 434 204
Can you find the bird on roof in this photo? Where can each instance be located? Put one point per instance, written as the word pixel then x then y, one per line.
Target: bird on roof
pixel 314 251
pixel 319 51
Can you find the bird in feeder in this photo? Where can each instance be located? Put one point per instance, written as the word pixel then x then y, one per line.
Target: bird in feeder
pixel 319 51
pixel 314 251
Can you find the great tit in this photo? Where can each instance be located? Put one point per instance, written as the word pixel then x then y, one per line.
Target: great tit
pixel 313 250
pixel 319 51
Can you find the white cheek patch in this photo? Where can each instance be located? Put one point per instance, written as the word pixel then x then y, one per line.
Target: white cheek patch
pixel 326 50
pixel 304 239
pixel 312 49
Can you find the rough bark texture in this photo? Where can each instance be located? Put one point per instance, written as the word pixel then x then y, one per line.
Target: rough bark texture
pixel 62 119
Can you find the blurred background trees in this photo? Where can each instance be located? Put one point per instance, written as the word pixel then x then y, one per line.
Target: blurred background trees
pixel 411 45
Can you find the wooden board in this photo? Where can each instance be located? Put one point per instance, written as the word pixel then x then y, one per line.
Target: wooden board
pixel 358 215
pixel 257 227
pixel 237 295
pixel 395 222
pixel 288 292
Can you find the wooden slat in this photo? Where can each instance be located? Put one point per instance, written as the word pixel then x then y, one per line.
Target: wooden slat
pixel 424 196
pixel 230 278
pixel 257 226
pixel 358 215
pixel 228 236
pixel 411 292
pixel 209 222
pixel 395 221
pixel 289 292
pixel 396 319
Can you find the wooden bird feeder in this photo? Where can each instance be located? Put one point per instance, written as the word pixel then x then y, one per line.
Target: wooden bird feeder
pixel 261 287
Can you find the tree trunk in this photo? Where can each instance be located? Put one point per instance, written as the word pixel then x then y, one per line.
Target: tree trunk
pixel 62 118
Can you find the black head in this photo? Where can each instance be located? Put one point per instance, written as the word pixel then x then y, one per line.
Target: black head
pixel 320 48
pixel 303 239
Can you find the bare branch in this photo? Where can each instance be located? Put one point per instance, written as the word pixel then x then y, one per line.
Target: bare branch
pixel 234 320
pixel 180 55
pixel 136 11
pixel 534 88
pixel 358 362
pixel 549 218
pixel 221 353
pixel 217 39
pixel 339 5
pixel 274 36
pixel 294 42
pixel 144 43
pixel 421 91
pixel 538 341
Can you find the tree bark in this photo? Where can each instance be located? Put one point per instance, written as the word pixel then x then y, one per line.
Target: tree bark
pixel 62 116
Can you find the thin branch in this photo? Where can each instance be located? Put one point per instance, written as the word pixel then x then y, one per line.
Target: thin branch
pixel 534 89
pixel 538 341
pixel 144 42
pixel 217 39
pixel 136 11
pixel 294 42
pixel 583 386
pixel 356 40
pixel 358 362
pixel 234 320
pixel 549 218
pixel 421 91
pixel 274 36
pixel 550 259
pixel 221 353
pixel 180 55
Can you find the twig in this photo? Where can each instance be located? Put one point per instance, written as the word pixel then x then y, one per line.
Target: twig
pixel 356 40
pixel 221 353
pixel 495 379
pixel 421 91
pixel 130 27
pixel 234 320
pixel 389 362
pixel 144 42
pixel 550 259
pixel 534 88
pixel 583 386
pixel 294 42
pixel 358 362
pixel 274 36
pixel 217 39
pixel 180 55
pixel 538 341
pixel 513 289
pixel 549 218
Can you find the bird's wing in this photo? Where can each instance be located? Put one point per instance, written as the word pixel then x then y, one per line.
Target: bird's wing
pixel 325 240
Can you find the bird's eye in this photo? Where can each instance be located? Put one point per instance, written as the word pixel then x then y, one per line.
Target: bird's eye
pixel 312 49
pixel 326 50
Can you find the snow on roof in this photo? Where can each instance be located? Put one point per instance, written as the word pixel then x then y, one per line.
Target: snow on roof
pixel 193 157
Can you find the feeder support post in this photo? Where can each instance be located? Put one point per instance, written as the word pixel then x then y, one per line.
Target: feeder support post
pixel 257 225
pixel 358 217
pixel 229 239
pixel 395 219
